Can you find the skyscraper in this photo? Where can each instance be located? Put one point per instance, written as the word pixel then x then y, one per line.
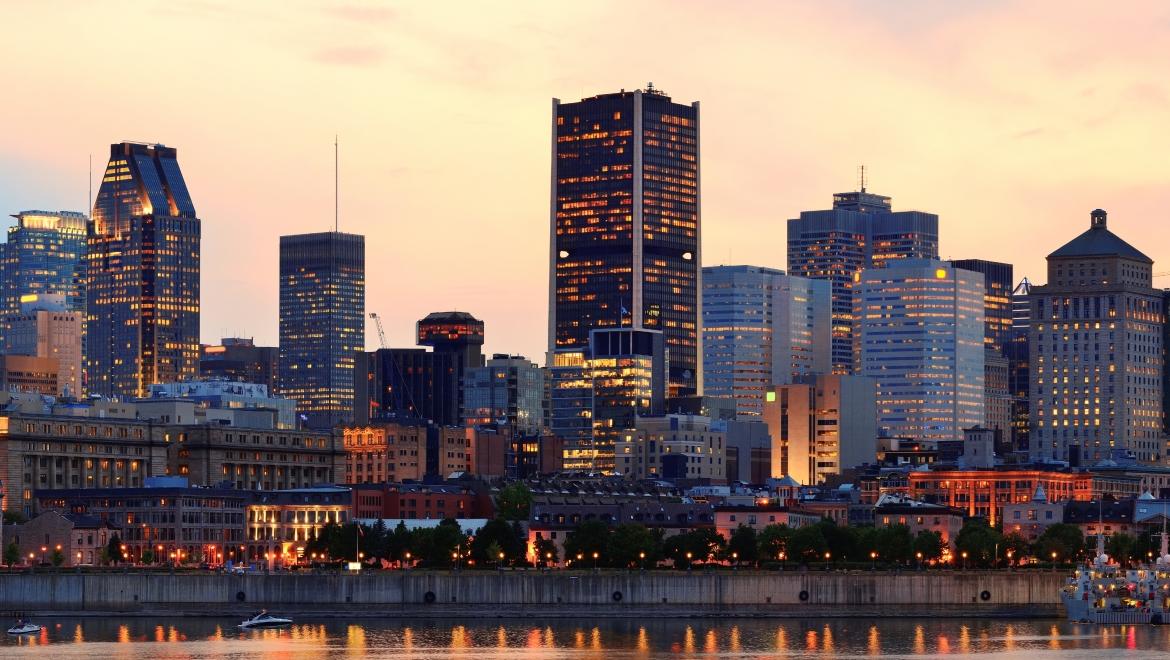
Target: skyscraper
pixel 762 328
pixel 508 390
pixel 860 232
pixel 1096 351
pixel 322 322
pixel 997 300
pixel 920 335
pixel 459 334
pixel 625 224
pixel 44 255
pixel 45 328
pixel 143 274
pixel 1019 379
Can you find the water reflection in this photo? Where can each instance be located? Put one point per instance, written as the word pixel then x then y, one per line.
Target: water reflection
pixel 565 639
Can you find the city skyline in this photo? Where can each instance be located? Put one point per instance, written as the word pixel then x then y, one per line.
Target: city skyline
pixel 1024 138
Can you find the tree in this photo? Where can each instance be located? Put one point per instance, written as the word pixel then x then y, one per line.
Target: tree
pixel 11 554
pixel 57 557
pixel 546 550
pixel 1064 539
pixel 515 501
pixel 894 543
pixel 587 537
pixel 843 540
pixel 773 540
pixel 979 541
pixel 929 544
pixel 435 546
pixel 104 556
pixel 114 549
pixel 744 544
pixel 497 532
pixel 706 543
pixel 628 543
pixel 147 556
pixel 1018 546
pixel 14 517
pixel 1121 547
pixel 377 540
pixel 397 543
pixel 807 544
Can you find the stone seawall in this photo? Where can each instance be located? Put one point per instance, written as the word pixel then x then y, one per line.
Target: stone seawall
pixel 536 594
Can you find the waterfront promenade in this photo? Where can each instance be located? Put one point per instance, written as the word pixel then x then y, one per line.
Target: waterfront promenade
pixel 533 593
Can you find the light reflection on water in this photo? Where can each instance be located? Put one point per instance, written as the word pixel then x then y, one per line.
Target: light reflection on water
pixel 597 639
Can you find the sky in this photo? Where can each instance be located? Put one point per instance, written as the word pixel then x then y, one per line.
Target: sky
pixel 1010 120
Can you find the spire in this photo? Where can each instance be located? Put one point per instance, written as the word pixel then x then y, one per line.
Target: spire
pixel 1039 496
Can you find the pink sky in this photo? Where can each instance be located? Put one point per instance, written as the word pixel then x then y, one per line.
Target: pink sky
pixel 1010 120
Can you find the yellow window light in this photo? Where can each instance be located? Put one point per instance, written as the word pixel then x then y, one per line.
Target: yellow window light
pixel 940 274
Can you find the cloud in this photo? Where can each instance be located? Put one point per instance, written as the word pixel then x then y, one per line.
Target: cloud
pixel 349 56
pixel 362 14
pixel 1032 133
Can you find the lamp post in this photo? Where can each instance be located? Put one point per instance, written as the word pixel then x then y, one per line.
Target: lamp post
pixel 79 558
pixel 454 561
pixel 642 557
pixel 964 560
pixel 1053 562
pixel 595 562
pixel 735 559
pixel 158 557
pixel 43 550
pixel 408 561
pixel 500 563
pixel 1009 561
pixel 919 562
pixel 827 555
pixel 872 562
pixel 688 562
pixel 781 558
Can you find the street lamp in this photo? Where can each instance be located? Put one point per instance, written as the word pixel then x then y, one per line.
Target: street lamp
pixel 1053 562
pixel 920 562
pixel 781 558
pixel 735 558
pixel 688 562
pixel 873 562
pixel 826 562
pixel 964 560
pixel 1009 561
pixel 500 564
pixel 595 562
pixel 43 550
pixel 642 556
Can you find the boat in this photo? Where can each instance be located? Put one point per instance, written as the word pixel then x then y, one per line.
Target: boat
pixel 265 620
pixel 24 628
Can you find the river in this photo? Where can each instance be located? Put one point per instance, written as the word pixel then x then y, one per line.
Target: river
pixel 599 639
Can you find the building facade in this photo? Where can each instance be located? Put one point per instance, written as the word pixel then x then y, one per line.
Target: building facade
pixel 920 336
pixel 507 390
pixel 322 322
pixel 21 373
pixel 398 501
pixel 253 459
pixel 998 308
pixel 760 328
pixel 1019 375
pixel 625 224
pixel 236 396
pixel 80 538
pixel 860 232
pixel 142 297
pixel 45 255
pixel 281 522
pixel 239 359
pixel 421 383
pixel 672 447
pixel 45 328
pixel 1096 350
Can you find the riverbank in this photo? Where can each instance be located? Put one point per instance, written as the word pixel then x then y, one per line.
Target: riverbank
pixel 542 594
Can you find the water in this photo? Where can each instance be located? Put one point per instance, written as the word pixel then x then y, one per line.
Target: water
pixel 596 639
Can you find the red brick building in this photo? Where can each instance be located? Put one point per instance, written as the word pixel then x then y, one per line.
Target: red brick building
pixel 394 501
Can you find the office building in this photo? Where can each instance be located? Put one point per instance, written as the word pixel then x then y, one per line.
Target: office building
pixel 322 322
pixel 280 523
pixel 1096 351
pixel 748 450
pixel 920 336
pixel 241 399
pixel 239 359
pixel 625 224
pixel 861 231
pixel 252 459
pixel 23 373
pixel 821 426
pixel 998 307
pixel 142 295
pixel 1019 376
pixel 456 333
pixel 998 402
pixel 45 328
pixel 410 381
pixel 673 447
pixel 600 389
pixel 508 390
pixel 761 328
pixel 45 255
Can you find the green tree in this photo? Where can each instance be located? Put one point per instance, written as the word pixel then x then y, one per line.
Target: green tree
pixel 104 555
pixel 497 532
pixel 807 544
pixel 1121 547
pixel 57 557
pixel 629 541
pixel 515 501
pixel 844 541
pixel 894 543
pixel 588 537
pixel 772 540
pixel 979 541
pixel 745 544
pixel 706 543
pixel 546 550
pixel 930 544
pixel 496 554
pixel 11 554
pixel 14 517
pixel 1064 539
pixel 114 549
pixel 147 556
pixel 378 540
pixel 1018 546
pixel 397 543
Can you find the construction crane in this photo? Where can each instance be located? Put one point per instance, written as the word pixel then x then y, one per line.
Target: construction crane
pixel 378 323
pixel 1161 274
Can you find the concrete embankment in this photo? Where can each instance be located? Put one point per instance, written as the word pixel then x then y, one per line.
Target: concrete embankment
pixel 537 594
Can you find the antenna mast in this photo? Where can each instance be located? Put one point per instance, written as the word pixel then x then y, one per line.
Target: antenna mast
pixel 861 177
pixel 90 210
pixel 336 223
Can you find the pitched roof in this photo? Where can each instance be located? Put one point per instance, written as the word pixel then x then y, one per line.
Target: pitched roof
pixel 1098 241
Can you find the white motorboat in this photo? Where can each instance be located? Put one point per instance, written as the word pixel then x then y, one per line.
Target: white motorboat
pixel 24 628
pixel 265 620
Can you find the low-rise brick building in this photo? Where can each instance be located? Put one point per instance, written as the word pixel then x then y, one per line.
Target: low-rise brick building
pixel 280 522
pixel 419 502
pixel 79 537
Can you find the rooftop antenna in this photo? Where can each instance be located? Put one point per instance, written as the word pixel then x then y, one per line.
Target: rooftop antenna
pixel 91 184
pixel 861 177
pixel 336 222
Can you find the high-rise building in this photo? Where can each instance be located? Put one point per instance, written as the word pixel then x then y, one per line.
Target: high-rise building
pixel 674 447
pixel 415 382
pixel 824 425
pixel 920 335
pixel 46 328
pixel 508 390
pixel 601 389
pixel 322 322
pixel 1096 351
pixel 240 359
pixel 459 334
pixel 761 328
pixel 625 220
pixel 142 297
pixel 997 301
pixel 860 232
pixel 44 255
pixel 1019 377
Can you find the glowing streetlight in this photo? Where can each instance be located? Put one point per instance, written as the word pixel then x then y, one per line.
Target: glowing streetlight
pixel 642 556
pixel 920 561
pixel 827 555
pixel 964 560
pixel 873 562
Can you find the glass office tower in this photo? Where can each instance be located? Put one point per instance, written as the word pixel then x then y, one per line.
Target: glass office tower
pixel 1018 369
pixel 322 323
pixel 861 231
pixel 625 223
pixel 44 255
pixel 143 274
pixel 997 301
pixel 920 335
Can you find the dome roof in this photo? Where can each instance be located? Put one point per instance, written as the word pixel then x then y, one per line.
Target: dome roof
pixel 1098 241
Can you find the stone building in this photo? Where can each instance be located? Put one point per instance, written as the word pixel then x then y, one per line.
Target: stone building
pixel 79 537
pixel 253 459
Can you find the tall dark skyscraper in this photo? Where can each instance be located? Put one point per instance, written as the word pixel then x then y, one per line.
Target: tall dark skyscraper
pixel 322 322
pixel 997 301
pixel 625 224
pixel 860 232
pixel 143 274
pixel 1018 369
